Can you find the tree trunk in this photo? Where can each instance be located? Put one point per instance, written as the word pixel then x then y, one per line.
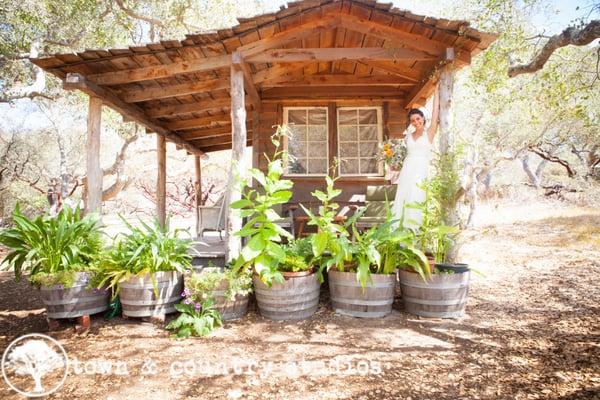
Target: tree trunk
pixel 94 172
pixel 238 125
pixel 161 180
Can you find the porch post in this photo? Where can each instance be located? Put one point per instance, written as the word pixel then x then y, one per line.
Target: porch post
pixel 161 180
pixel 238 133
pixel 446 87
pixel 94 172
pixel 198 190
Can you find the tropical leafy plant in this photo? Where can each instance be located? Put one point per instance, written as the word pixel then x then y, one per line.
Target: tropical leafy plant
pixel 52 248
pixel 298 256
pixel 196 319
pixel 199 286
pixel 143 250
pixel 383 248
pixel 330 244
pixel 263 250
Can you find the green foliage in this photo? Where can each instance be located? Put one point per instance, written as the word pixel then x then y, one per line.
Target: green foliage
pixel 199 287
pixel 195 319
pixel 439 229
pixel 331 246
pixel 263 250
pixel 48 245
pixel 383 248
pixel 143 250
pixel 298 256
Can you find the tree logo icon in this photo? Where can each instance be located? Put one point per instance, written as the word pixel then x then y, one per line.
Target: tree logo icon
pixel 35 365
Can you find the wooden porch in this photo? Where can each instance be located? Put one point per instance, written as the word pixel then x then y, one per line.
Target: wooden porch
pixel 227 89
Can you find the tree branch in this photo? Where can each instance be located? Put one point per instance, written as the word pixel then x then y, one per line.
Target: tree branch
pixel 570 36
pixel 133 14
pixel 553 159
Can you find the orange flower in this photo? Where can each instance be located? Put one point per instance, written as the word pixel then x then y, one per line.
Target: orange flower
pixel 389 152
pixel 386 147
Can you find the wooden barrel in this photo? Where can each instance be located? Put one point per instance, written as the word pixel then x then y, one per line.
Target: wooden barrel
pixel 230 309
pixel 296 298
pixel 349 298
pixel 139 300
pixel 442 296
pixel 75 301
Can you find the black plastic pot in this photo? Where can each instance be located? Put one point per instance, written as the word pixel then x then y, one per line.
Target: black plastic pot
pixel 456 268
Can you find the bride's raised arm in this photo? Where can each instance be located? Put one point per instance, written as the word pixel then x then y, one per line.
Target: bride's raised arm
pixel 435 114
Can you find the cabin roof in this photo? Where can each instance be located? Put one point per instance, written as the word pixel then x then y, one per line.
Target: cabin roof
pixel 305 51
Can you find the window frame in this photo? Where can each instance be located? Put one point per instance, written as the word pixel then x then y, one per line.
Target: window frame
pixel 380 170
pixel 285 139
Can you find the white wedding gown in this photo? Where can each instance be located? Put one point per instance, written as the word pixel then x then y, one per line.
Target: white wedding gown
pixel 414 170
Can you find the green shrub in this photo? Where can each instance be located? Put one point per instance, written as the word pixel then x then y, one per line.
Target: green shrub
pixel 52 248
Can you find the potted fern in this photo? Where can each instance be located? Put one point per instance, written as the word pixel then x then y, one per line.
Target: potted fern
pixel 228 290
pixel 279 295
pixel 60 254
pixel 145 269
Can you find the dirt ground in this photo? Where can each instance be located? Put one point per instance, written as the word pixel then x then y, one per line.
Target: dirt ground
pixel 532 332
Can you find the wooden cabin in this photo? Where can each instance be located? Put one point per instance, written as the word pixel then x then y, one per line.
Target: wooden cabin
pixel 343 72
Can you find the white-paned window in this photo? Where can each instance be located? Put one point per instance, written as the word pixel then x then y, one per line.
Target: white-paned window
pixel 308 145
pixel 359 136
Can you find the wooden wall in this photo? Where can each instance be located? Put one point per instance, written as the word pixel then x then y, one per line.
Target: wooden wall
pixel 353 188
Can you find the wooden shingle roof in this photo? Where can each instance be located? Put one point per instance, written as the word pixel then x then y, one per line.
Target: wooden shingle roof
pixel 311 49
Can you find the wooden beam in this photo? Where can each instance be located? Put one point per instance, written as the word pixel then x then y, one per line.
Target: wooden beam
pixel 213 141
pixel 418 97
pixel 77 81
pixel 145 94
pixel 340 80
pixel 239 138
pixel 331 92
pixel 197 122
pixel 178 109
pixel 161 71
pixel 202 133
pixel 395 35
pixel 255 139
pixel 225 146
pixel 240 65
pixel 340 54
pixel 289 35
pixel 398 69
pixel 161 180
pixel 197 191
pixel 93 169
pixel 446 89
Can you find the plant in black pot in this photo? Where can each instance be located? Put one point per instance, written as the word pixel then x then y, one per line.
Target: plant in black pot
pixel 60 254
pixel 444 293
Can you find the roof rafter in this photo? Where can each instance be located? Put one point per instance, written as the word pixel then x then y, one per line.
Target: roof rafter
pixel 340 54
pixel 78 81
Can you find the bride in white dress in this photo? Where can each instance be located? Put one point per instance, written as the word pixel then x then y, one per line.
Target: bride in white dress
pixel 416 165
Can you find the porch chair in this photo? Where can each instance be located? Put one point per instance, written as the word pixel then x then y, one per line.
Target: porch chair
pixel 213 218
pixel 376 205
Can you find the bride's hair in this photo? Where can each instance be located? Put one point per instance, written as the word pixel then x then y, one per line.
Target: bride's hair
pixel 416 111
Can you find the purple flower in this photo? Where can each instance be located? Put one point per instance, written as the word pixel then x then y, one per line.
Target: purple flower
pixel 197 306
pixel 187 301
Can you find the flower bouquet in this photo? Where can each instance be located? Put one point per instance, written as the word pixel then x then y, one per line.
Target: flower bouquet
pixel 392 152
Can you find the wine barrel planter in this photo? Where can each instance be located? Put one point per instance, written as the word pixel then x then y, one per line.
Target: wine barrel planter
pixel 139 300
pixel 75 301
pixel 296 298
pixel 229 309
pixel 349 298
pixel 442 296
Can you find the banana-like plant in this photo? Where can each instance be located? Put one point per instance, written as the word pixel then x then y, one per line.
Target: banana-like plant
pixel 52 248
pixel 263 250
pixel 143 250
